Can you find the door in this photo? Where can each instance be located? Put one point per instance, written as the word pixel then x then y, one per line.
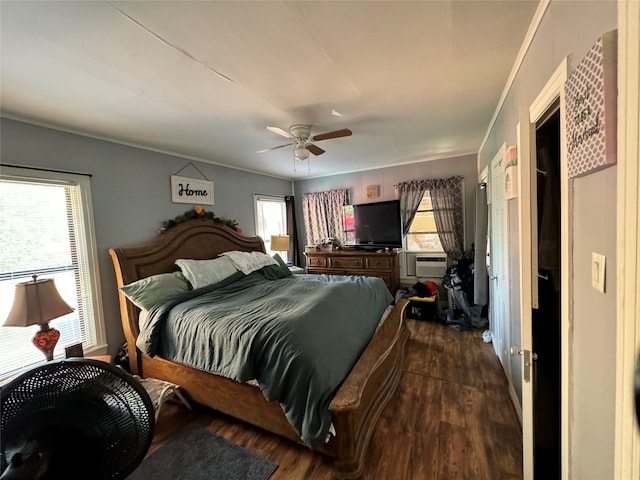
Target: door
pixel 552 93
pixel 499 282
pixel 526 134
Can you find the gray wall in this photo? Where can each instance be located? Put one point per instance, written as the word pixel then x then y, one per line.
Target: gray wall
pixel 571 28
pixel 131 193
pixel 386 178
pixel 594 326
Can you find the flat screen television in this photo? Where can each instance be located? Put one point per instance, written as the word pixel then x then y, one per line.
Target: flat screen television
pixel 373 225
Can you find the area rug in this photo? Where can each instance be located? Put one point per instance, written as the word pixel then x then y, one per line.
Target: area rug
pixel 196 454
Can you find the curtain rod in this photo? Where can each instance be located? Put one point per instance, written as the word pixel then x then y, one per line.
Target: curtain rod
pixel 47 170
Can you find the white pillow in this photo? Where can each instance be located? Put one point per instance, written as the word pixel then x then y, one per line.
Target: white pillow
pixel 248 262
pixel 201 273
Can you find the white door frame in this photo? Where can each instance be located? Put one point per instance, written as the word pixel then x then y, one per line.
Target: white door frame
pixel 527 225
pixel 627 432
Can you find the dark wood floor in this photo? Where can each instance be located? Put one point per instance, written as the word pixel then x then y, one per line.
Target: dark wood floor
pixel 451 418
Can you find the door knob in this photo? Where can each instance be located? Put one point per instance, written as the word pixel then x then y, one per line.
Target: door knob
pixel 515 351
pixel 528 358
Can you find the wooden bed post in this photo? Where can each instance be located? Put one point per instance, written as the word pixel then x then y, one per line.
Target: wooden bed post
pixel 128 312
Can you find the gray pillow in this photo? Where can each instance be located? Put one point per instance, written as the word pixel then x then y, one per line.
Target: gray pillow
pixel 146 292
pixel 201 273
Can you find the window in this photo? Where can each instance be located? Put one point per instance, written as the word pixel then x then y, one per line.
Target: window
pixel 271 219
pixel 423 233
pixel 47 230
pixel 349 222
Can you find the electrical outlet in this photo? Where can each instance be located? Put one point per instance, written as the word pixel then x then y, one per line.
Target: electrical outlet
pixel 597 271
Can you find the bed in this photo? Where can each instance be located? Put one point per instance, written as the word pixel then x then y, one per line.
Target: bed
pixel 356 404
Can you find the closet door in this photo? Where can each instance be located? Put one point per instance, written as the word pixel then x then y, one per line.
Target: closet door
pixel 498 270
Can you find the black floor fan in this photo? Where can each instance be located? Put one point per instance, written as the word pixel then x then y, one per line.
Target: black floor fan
pixel 74 419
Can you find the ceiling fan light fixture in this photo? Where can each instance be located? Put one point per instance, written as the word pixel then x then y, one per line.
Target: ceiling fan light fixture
pixel 301 153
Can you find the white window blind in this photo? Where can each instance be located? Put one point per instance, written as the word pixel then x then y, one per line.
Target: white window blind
pixel 271 219
pixel 47 231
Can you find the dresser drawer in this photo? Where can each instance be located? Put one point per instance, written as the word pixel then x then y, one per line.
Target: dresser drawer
pixel 374 264
pixel 346 262
pixel 317 261
pixel 379 263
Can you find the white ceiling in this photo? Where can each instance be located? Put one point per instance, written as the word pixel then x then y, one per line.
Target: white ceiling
pixel 413 80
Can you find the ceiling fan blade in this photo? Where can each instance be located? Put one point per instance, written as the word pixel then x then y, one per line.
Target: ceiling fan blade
pixel 345 132
pixel 274 148
pixel 314 149
pixel 280 131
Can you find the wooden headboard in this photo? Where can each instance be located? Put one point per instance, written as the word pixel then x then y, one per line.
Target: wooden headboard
pixel 194 239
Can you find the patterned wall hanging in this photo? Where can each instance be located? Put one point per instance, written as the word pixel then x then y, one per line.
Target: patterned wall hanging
pixel 511 173
pixel 591 97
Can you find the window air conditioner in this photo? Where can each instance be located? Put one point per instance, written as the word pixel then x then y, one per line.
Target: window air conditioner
pixel 433 265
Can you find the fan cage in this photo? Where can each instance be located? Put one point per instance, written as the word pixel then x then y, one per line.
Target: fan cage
pixel 94 407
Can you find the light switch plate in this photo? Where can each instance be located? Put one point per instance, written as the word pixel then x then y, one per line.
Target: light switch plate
pixel 597 271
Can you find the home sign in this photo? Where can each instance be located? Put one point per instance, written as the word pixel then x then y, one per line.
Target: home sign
pixel 191 190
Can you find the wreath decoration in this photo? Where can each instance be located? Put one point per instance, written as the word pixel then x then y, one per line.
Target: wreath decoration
pixel 199 213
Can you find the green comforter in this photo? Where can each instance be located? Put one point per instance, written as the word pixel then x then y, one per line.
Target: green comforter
pixel 298 336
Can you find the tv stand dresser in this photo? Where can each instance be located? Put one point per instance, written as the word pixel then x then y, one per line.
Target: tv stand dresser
pixel 384 265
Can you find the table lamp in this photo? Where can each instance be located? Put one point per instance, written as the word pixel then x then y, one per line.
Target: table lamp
pixel 36 303
pixel 280 243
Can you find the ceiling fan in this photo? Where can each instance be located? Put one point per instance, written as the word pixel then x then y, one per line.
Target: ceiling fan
pixel 300 137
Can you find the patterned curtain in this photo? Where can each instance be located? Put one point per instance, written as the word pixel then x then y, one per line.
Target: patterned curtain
pixel 322 213
pixel 410 194
pixel 446 198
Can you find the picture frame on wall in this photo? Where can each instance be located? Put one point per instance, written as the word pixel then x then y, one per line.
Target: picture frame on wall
pixel 373 191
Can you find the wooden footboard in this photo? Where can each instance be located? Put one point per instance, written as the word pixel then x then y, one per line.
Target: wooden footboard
pixel 357 404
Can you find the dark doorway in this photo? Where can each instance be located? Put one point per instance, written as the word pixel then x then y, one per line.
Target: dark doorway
pixel 546 320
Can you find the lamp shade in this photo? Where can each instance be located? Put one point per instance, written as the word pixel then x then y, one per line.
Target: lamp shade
pixel 280 243
pixel 35 303
pixel 301 152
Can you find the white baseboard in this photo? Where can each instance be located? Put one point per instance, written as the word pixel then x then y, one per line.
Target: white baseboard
pixel 516 402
